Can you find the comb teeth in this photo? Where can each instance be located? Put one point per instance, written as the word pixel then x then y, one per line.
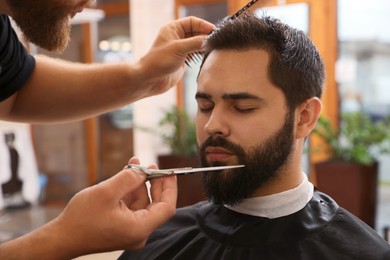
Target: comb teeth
pixel 197 56
pixel 193 57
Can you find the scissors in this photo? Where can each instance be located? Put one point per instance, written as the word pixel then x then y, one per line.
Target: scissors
pixel 153 173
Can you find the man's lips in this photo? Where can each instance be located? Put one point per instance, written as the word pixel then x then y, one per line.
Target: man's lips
pixel 217 154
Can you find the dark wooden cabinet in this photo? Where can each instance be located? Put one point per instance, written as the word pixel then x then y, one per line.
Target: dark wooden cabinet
pixel 61 156
pixel 73 156
pixel 353 186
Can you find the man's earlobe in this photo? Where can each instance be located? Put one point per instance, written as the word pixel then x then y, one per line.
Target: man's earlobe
pixel 309 112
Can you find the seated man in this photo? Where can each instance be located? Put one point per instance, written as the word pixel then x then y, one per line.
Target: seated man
pixel 258 98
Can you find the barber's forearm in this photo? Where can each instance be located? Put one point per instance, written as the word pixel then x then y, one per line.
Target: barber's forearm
pixel 43 243
pixel 60 91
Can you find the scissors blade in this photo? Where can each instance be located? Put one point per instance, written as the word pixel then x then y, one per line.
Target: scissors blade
pixel 203 169
pixel 155 173
pixel 188 170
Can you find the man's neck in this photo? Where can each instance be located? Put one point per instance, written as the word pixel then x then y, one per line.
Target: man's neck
pixel 279 184
pixel 278 204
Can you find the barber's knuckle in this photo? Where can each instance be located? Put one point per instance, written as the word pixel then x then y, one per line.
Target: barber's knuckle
pixel 171 210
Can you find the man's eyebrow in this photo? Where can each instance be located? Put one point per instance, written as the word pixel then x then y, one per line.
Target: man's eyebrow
pixel 202 95
pixel 230 96
pixel 242 95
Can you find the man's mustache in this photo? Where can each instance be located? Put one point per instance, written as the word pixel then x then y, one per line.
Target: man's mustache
pixel 218 141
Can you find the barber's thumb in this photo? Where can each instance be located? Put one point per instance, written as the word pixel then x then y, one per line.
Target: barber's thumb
pixel 126 181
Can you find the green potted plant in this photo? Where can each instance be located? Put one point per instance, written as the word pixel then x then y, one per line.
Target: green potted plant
pixel 350 175
pixel 177 130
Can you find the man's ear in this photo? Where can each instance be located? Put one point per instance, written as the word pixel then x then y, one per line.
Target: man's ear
pixel 308 113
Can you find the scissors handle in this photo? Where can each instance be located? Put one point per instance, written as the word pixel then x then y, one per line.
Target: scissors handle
pixel 155 171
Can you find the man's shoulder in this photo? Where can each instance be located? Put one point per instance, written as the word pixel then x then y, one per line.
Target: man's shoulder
pixel 342 232
pixel 335 218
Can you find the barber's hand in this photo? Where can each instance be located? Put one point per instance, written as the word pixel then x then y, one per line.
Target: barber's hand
pixel 117 213
pixel 164 65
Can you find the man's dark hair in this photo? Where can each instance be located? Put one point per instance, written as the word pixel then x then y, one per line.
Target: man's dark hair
pixel 295 63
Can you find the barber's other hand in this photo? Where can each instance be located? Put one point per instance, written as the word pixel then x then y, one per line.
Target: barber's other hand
pixel 117 213
pixel 163 66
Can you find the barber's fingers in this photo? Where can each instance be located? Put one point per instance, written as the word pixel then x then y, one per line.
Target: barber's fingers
pixel 134 160
pixel 191 31
pixel 168 192
pixel 156 188
pixel 124 182
pixel 162 186
pixel 188 45
pixel 139 198
pixel 192 26
pixel 160 211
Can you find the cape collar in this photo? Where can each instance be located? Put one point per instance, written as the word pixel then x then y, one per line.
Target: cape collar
pixel 277 205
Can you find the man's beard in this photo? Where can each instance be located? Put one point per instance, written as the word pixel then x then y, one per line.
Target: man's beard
pixel 262 165
pixel 44 23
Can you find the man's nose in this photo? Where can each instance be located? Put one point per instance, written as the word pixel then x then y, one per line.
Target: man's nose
pixel 217 124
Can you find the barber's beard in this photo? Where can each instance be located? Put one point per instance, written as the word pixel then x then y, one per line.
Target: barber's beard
pixel 262 165
pixel 44 23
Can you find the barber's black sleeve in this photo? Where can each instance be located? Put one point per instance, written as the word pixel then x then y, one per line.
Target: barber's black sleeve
pixel 16 65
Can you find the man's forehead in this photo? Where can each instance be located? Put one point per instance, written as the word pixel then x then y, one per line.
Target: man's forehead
pixel 236 74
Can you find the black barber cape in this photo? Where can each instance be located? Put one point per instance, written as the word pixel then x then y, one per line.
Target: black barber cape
pixel 321 230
